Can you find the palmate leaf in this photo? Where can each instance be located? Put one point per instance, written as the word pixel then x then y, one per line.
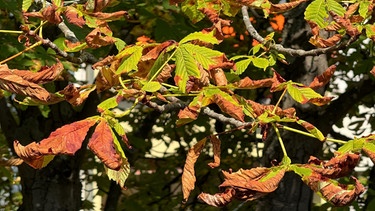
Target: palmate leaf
pixel 202 55
pixel 303 94
pixel 318 10
pixel 185 66
pixel 191 10
pixel 26 4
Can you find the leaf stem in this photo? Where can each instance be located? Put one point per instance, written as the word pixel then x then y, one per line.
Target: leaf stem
pixel 170 86
pixel 280 140
pixel 279 101
pixel 121 82
pixel 310 135
pixel 10 31
pixel 162 66
pixel 21 52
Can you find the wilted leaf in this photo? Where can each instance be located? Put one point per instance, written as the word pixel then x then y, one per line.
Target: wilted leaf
pixel 99 37
pixel 109 16
pixel 74 17
pixel 304 95
pixel 188 175
pixel 255 84
pixel 259 179
pixel 219 199
pixel 65 140
pixel 76 96
pixel 323 79
pixel 45 75
pixel 283 7
pixel 105 79
pixel 219 77
pixel 52 14
pixel 332 191
pixel 229 106
pixel 217 151
pixel 101 143
pixel 16 84
pixel 336 167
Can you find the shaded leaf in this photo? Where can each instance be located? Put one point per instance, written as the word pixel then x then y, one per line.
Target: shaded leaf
pixel 99 37
pixel 52 14
pixel 229 106
pixel 65 140
pixel 188 175
pixel 105 79
pixel 217 151
pixel 101 143
pixel 218 77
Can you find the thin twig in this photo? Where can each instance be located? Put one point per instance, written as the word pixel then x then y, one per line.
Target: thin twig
pixel 290 51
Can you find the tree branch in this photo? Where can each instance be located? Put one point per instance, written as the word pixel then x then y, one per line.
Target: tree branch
pixel 290 51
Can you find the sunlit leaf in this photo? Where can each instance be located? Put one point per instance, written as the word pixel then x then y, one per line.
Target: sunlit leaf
pixel 131 57
pixel 151 86
pixel 312 129
pixel 204 37
pixel 185 67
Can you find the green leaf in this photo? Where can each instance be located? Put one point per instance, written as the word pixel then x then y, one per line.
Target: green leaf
pixel 301 93
pixel 364 8
pixel 185 67
pixel 242 65
pixel 261 63
pixel 202 55
pixel 162 58
pixel 132 55
pixel 151 86
pixel 191 10
pixel 334 6
pixel 26 4
pixel 120 44
pixel 317 12
pixel 301 171
pixel 75 48
pixel 312 129
pixel 108 104
pixel 204 37
pixel 354 145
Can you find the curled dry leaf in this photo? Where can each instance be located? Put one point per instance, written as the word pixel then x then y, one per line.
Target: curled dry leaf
pixel 105 79
pixel 99 5
pixel 332 191
pixel 45 75
pixel 76 96
pixel 218 77
pixel 11 162
pixel 16 84
pixel 336 167
pixel 99 37
pixel 323 79
pixel 109 16
pixel 52 14
pixel 346 24
pixel 188 176
pixel 101 143
pixel 264 180
pixel 65 140
pixel 217 151
pixel 283 7
pixel 228 107
pixel 165 73
pixel 73 16
pixel 277 82
pixel 218 199
pixel 254 84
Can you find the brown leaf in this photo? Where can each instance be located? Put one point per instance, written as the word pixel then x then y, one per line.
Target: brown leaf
pixel 323 79
pixel 106 79
pixel 154 52
pixel 255 84
pixel 165 73
pixel 101 143
pixel 336 193
pixel 218 77
pixel 336 167
pixel 73 16
pixel 186 115
pixel 100 4
pixel 216 148
pixel 346 24
pixel 107 60
pixel 52 14
pixel 76 96
pixel 283 7
pixel 219 199
pixel 323 43
pixel 99 37
pixel 45 75
pixel 277 81
pixel 318 101
pixel 109 16
pixel 65 140
pixel 188 176
pixel 16 84
pixel 252 179
pixel 228 107
pixel 222 62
